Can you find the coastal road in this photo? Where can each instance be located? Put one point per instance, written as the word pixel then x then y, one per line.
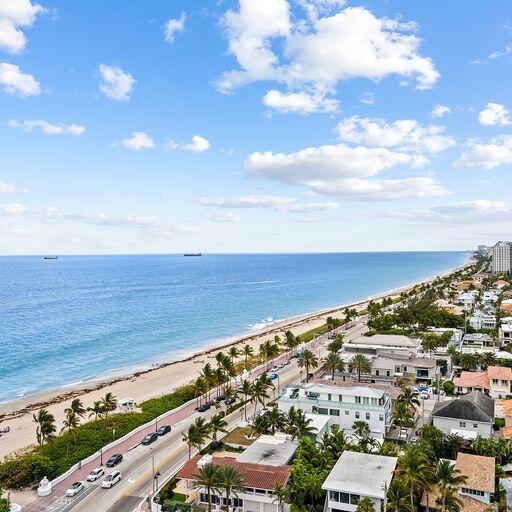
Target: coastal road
pixel 140 463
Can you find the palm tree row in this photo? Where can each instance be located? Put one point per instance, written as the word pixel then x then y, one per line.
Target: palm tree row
pixel 45 420
pixel 201 430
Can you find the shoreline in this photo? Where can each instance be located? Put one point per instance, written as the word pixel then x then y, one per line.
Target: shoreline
pixel 150 381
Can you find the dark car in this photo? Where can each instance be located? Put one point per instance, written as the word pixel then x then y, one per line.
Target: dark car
pixel 203 407
pixel 150 438
pixel 114 460
pixel 164 429
pixel 230 400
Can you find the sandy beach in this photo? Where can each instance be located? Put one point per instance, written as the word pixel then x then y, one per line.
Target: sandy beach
pixel 153 382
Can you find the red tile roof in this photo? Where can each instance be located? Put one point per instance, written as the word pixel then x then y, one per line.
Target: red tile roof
pixel 499 372
pixel 472 380
pixel 258 476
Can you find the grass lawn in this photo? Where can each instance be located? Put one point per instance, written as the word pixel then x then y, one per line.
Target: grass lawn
pixel 237 436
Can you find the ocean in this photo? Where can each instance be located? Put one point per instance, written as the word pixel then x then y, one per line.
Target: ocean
pixel 76 318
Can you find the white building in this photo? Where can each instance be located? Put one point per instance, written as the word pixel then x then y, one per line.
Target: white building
pixel 356 476
pixel 501 257
pixel 489 297
pixel 343 402
pixel 481 320
pixel 505 330
pixel 378 343
pixel 467 299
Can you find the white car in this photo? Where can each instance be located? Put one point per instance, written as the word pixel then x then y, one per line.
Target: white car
pixel 95 474
pixel 424 395
pixel 111 480
pixel 74 489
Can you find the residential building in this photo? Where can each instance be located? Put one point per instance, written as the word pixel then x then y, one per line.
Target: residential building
pixel 276 450
pixel 496 381
pixel 476 492
pixel 344 403
pixel 489 297
pixel 505 330
pixel 477 341
pixel 467 299
pixel 356 476
pixel 500 283
pixel 374 345
pixel 259 482
pixel 448 307
pixel 501 258
pixel 481 320
pixel 411 368
pixel 469 416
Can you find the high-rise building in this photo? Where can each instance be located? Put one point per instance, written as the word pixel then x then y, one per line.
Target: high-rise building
pixel 501 258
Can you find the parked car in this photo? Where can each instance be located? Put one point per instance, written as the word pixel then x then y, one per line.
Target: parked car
pixel 273 376
pixel 230 400
pixel 114 460
pixel 164 429
pixel 74 489
pixel 403 434
pixel 203 407
pixel 95 474
pixel 150 438
pixel 274 369
pixel 286 362
pixel 111 480
pixel 415 391
pixel 424 395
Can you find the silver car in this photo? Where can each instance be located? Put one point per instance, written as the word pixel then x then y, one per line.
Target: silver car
pixel 74 489
pixel 95 474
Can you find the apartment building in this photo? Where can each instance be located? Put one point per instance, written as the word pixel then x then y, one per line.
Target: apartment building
pixel 501 258
pixel 482 320
pixel 378 343
pixel 344 403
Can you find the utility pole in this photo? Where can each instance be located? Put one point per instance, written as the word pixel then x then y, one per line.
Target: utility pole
pixel 438 384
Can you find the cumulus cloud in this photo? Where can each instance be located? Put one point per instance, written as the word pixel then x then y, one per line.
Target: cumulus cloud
pixel 353 43
pixel 17 83
pixel 495 115
pixel 116 84
pixel 278 203
pixel 14 16
pixel 300 102
pixel 487 156
pixel 47 128
pixel 173 27
pixel 7 188
pixel 223 217
pixel 405 134
pixel 198 145
pixel 138 141
pixel 440 111
pixel 341 170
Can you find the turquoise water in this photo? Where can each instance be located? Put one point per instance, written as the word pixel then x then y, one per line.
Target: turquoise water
pixel 67 320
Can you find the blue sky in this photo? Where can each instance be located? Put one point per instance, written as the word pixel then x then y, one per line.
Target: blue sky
pixel 243 126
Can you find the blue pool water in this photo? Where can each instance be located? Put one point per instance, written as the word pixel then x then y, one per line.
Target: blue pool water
pixel 63 321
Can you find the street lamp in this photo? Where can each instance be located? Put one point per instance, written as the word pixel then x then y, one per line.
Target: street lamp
pixel 157 474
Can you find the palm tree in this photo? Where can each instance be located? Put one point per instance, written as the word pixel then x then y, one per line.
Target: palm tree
pixel 363 434
pixel 200 388
pixel 259 393
pixel 335 442
pixel 208 478
pixel 365 505
pixel 333 362
pixel 414 470
pixel 487 359
pixel 231 480
pixel 195 435
pixel 447 479
pixel 290 341
pixel 307 360
pixel 408 398
pixel 360 364
pixel 46 429
pixel 398 498
pixel 298 425
pixel 97 409
pixel 110 403
pixel 217 424
pixel 275 420
pixel 70 423
pixel 430 343
pixel 335 345
pixel 281 495
pixel 208 374
pixel 233 353
pixel 230 392
pixel 401 413
pixel 247 351
pixel 77 407
pixel 246 391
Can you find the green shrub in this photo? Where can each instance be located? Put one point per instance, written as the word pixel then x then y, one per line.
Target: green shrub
pixel 160 405
pixel 25 470
pixel 449 387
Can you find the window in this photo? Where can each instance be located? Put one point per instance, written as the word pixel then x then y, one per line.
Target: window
pixel 347 413
pixel 366 400
pixel 397 369
pixel 462 424
pixel 381 417
pixel 495 382
pixel 375 401
pixel 504 382
pixel 340 398
pixel 377 372
pixel 250 490
pixel 334 412
pixel 357 414
pixel 358 399
pixel 323 410
pixel 260 491
pixel 344 497
pixel 329 396
pixel 475 425
pixel 388 373
pixel 354 499
pixel 473 492
pixel 367 415
pixel 334 495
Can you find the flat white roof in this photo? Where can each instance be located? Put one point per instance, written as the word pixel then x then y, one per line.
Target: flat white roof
pixel 386 340
pixel 269 450
pixel 318 421
pixel 361 473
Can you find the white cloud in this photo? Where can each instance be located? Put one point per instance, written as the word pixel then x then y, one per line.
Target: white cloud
pixel 138 141
pixel 368 98
pixel 223 217
pixel 48 128
pixel 300 102
pixel 15 14
pixel 117 85
pixel 405 134
pixel 198 145
pixel 173 27
pixel 440 111
pixel 495 115
pixel 353 43
pixel 278 203
pixel 341 170
pixel 15 82
pixel 462 212
pixel 487 156
pixel 7 188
